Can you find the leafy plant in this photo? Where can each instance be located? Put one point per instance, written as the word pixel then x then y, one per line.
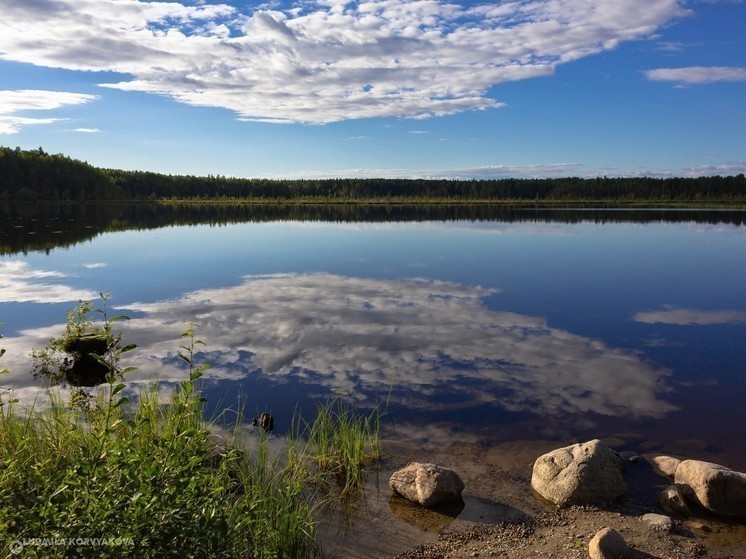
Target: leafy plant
pixel 2 372
pixel 88 354
pixel 151 475
pixel 148 475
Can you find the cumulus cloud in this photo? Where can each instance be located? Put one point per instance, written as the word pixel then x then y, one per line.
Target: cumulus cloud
pixel 690 317
pixel 20 283
pixel 13 102
pixel 323 61
pixel 698 75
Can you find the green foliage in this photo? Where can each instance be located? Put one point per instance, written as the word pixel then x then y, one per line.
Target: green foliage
pixel 88 354
pixel 98 476
pixel 2 372
pixel 341 443
pixel 28 176
pixel 189 349
pixel 150 477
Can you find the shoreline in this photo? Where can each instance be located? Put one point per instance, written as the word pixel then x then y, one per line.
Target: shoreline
pixel 501 516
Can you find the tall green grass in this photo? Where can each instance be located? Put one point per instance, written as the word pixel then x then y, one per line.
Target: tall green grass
pixel 150 478
pixel 341 443
pixel 150 475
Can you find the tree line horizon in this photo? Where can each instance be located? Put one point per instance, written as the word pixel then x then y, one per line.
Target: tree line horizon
pixel 36 176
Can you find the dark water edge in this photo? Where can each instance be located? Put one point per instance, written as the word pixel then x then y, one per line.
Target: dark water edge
pixel 42 227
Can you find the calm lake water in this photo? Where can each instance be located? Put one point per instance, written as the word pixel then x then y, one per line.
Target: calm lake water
pixel 534 325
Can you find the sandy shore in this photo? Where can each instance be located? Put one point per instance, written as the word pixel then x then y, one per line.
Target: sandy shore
pixel 501 517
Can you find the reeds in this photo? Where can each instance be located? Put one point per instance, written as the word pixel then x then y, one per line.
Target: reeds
pixel 97 475
pixel 341 442
pixel 148 478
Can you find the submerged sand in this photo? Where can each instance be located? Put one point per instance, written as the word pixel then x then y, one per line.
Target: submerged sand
pixel 501 517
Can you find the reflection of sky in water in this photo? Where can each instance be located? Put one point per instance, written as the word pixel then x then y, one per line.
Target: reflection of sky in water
pixel 628 322
pixel 421 338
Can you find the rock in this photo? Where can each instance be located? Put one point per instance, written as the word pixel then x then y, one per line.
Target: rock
pixel 658 521
pixel 701 527
pixel 631 456
pixel 609 544
pixel 427 484
pixel 716 488
pixel 583 473
pixel 265 421
pixel 666 465
pixel 671 501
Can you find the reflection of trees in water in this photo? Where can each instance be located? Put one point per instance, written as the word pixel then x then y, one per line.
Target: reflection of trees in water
pixel 33 227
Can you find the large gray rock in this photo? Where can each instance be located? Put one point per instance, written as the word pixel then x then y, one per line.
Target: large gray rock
pixel 716 488
pixel 609 544
pixel 582 473
pixel 666 465
pixel 427 484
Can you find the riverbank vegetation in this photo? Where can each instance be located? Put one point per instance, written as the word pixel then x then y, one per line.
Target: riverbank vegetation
pixel 95 475
pixel 34 175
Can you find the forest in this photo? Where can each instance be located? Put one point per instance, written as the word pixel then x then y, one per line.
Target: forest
pixel 36 176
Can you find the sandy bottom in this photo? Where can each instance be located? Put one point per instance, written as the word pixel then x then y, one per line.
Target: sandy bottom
pixel 501 517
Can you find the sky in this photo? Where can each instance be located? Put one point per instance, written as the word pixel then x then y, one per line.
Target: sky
pixel 379 88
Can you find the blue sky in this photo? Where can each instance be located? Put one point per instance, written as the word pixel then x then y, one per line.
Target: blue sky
pixel 379 88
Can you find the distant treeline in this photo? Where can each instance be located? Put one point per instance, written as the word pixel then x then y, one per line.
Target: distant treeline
pixel 34 175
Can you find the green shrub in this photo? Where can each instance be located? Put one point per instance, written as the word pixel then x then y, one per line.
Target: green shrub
pixel 98 476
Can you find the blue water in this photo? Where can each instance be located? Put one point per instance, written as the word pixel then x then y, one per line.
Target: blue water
pixel 507 330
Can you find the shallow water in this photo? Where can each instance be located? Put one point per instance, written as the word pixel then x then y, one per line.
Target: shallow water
pixel 558 326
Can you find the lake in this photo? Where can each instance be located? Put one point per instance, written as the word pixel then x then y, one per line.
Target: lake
pixel 492 324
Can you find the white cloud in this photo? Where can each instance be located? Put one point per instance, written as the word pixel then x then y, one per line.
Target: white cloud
pixel 459 173
pixel 323 61
pixel 690 317
pixel 14 124
pixel 722 169
pixel 87 130
pixel 698 75
pixel 19 283
pixel 13 102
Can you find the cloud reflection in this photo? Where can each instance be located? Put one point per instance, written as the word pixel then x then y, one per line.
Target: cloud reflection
pixel 20 283
pixel 422 337
pixel 690 317
pixel 435 343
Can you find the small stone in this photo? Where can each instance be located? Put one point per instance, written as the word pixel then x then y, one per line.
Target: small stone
pixel 658 521
pixel 704 528
pixel 672 502
pixel 265 421
pixel 608 544
pixel 631 456
pixel 427 484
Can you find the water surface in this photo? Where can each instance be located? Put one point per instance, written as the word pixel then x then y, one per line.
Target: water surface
pixel 561 325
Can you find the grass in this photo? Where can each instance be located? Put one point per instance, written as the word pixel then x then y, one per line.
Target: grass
pixel 98 476
pixel 341 442
pixel 149 476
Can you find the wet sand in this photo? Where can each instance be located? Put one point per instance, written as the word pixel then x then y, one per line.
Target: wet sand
pixel 501 517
